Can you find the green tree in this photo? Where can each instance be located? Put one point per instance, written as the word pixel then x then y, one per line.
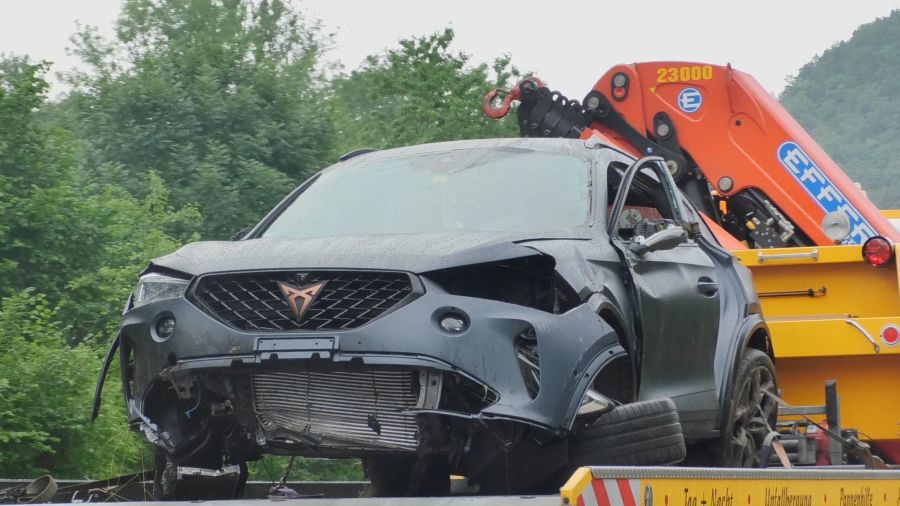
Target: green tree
pixel 70 252
pixel 846 99
pixel 223 98
pixel 79 243
pixel 420 92
pixel 45 388
pixel 22 163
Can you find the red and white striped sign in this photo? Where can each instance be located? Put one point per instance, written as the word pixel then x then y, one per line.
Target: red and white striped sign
pixel 611 493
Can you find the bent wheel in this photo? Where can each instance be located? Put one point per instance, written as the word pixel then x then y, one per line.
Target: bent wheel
pixel 752 413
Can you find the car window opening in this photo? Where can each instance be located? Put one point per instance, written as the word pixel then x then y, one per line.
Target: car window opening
pixel 647 205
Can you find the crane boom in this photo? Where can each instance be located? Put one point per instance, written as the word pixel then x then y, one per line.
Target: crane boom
pixel 738 155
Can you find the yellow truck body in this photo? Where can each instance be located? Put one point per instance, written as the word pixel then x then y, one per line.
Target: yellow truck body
pixel 828 311
pixel 666 486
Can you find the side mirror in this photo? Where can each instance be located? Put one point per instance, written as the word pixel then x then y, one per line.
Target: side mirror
pixel 662 240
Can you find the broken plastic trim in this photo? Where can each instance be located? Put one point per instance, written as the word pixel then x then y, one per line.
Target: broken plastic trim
pixel 104 371
pixel 150 430
pixel 529 359
pixel 531 282
pixel 460 394
pixel 593 403
pixel 184 471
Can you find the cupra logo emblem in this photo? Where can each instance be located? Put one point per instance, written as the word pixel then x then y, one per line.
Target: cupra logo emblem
pixel 305 295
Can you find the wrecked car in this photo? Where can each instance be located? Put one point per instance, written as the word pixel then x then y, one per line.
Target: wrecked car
pixel 499 309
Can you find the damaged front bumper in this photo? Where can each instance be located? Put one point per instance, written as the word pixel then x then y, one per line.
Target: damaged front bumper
pixel 353 391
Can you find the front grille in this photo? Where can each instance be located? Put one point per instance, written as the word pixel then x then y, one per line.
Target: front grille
pixel 254 301
pixel 339 409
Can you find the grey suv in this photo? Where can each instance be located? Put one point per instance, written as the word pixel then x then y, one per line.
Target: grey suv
pixel 500 309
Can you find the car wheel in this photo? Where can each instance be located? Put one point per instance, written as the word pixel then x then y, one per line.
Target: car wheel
pixel 752 413
pixel 638 434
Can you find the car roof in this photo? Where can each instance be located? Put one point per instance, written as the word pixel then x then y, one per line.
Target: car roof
pixel 575 147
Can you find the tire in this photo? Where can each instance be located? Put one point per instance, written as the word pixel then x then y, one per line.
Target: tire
pixel 642 433
pixel 751 413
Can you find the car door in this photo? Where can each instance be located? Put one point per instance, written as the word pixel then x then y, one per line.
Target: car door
pixel 674 289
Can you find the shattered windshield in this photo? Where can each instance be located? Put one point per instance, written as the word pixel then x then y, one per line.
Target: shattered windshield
pixel 496 189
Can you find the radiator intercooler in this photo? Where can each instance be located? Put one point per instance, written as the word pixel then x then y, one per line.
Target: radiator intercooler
pixel 359 409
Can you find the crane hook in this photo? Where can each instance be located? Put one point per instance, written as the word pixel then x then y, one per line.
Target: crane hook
pixel 491 111
pixel 503 110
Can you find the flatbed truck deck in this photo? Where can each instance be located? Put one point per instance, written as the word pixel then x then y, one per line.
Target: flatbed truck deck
pixel 668 486
pixel 663 486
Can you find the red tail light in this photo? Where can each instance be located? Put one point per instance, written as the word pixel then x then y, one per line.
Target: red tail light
pixel 878 251
pixel 890 334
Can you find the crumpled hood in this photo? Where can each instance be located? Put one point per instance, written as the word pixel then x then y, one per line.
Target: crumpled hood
pixel 413 253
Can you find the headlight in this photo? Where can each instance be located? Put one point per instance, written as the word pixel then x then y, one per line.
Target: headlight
pixel 156 287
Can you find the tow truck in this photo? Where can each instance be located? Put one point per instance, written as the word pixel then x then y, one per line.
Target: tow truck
pixel 821 253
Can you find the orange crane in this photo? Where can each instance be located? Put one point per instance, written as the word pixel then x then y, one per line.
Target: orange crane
pixel 736 153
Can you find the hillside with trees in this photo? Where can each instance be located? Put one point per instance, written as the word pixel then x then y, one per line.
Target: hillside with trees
pixel 847 100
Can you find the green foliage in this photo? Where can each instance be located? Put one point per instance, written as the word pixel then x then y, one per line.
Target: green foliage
pixel 222 98
pixel 846 99
pixel 129 232
pixel 271 468
pixel 80 244
pixel 44 385
pixel 420 92
pixel 70 253
pixel 22 90
pixel 83 246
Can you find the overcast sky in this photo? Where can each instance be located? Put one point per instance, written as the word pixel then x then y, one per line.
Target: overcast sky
pixel 569 44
